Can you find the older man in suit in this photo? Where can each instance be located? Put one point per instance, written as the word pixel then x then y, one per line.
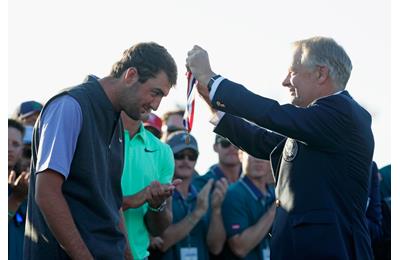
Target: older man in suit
pixel 320 147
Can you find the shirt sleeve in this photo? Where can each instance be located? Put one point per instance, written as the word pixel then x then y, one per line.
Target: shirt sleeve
pixel 234 213
pixel 218 115
pixel 60 123
pixel 215 86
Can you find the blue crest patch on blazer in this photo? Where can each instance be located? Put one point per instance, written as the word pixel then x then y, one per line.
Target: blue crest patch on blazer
pixel 290 150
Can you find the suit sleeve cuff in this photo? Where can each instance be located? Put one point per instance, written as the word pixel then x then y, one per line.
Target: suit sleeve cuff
pixel 216 117
pixel 215 86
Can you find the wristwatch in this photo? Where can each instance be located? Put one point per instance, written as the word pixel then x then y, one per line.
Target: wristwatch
pixel 211 82
pixel 159 209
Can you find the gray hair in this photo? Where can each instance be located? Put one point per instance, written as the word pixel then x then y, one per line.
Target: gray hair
pixel 322 51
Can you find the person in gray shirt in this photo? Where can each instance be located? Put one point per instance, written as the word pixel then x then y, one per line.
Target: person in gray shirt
pixel 75 198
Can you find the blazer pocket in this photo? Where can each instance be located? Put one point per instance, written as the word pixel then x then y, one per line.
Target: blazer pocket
pixel 316 235
pixel 314 217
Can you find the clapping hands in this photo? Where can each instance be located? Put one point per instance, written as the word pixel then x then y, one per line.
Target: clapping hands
pixel 19 184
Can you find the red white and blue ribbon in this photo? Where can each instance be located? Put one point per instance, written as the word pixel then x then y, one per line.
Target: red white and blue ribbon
pixel 189 111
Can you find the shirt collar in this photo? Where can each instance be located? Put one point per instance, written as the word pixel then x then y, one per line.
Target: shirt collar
pixel 143 135
pixel 192 193
pixel 336 93
pixel 98 90
pixel 219 173
pixel 254 191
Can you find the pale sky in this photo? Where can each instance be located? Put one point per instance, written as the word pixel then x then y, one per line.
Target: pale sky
pixel 53 45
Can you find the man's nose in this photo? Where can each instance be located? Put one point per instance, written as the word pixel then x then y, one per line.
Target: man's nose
pixel 286 81
pixel 156 103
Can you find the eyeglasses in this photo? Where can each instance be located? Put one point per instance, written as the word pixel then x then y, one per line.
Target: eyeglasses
pixel 180 156
pixel 225 143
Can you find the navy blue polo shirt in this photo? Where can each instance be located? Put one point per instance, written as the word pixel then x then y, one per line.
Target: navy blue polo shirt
pixel 214 172
pixel 243 206
pixel 16 230
pixel 197 238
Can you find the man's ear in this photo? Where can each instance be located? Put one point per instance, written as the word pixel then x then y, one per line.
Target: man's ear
pixel 131 75
pixel 241 155
pixel 323 74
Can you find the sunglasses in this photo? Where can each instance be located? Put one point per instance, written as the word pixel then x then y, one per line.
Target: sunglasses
pixel 180 156
pixel 225 143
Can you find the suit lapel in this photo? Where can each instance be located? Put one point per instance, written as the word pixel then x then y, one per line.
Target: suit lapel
pixel 275 158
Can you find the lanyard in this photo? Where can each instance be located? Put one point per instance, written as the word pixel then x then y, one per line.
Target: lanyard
pixel 187 208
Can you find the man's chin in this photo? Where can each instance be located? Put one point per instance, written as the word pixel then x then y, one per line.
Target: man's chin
pixel 295 102
pixel 144 116
pixel 184 174
pixel 135 117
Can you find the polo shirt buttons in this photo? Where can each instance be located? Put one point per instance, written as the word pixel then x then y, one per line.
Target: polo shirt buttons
pixel 277 203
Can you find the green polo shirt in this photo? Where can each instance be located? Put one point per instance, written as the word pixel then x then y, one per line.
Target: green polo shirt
pixel 146 159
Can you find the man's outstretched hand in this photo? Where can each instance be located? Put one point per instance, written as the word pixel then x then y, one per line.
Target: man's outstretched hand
pixel 198 63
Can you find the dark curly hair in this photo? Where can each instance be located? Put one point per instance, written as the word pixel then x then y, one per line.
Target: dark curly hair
pixel 149 59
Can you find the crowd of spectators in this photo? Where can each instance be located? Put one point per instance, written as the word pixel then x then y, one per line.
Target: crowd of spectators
pixel 224 213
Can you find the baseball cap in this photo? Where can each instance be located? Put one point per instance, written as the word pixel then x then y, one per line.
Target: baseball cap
pixel 173 120
pixel 153 121
pixel 28 108
pixel 177 142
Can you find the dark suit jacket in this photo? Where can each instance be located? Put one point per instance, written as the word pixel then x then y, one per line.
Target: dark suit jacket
pixel 321 157
pixel 374 206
